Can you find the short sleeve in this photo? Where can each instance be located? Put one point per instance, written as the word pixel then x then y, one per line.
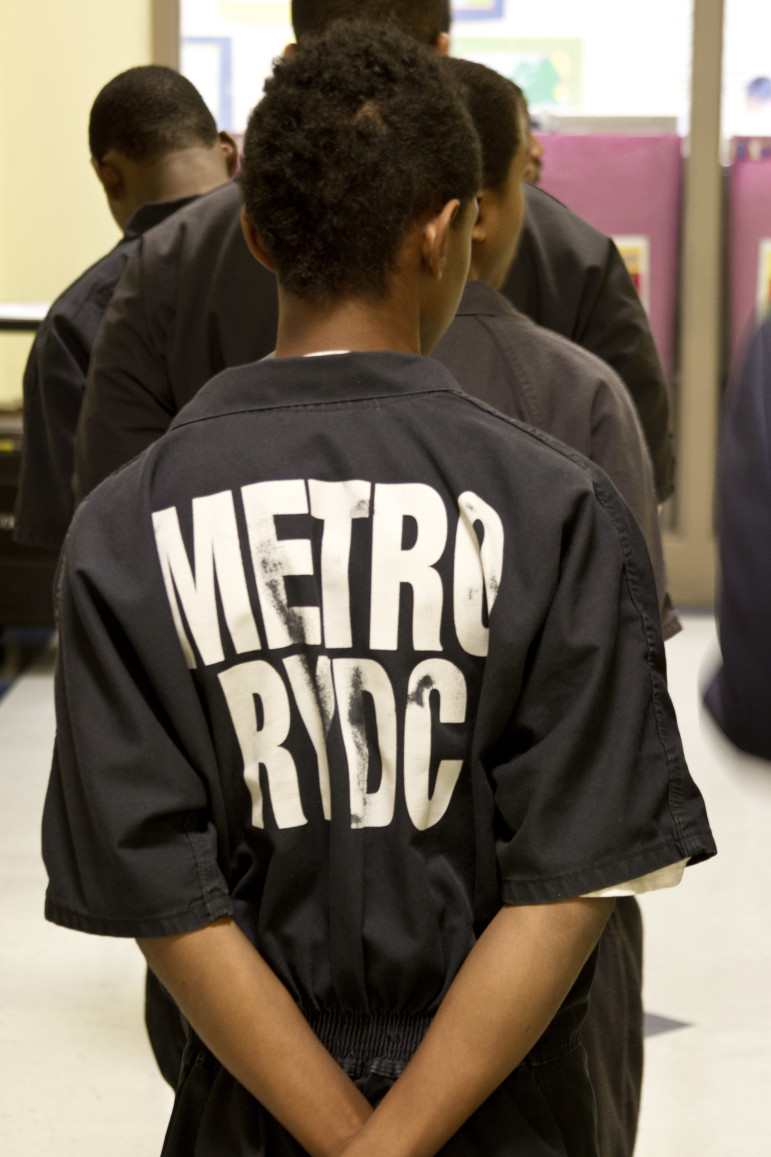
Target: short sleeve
pixel 129 842
pixel 590 781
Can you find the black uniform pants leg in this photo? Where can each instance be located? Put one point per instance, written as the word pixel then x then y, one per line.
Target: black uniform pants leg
pixel 613 1030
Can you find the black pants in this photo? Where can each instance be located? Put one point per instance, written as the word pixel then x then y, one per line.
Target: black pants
pixel 612 1032
pixel 543 1102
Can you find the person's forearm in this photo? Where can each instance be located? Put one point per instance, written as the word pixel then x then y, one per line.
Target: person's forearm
pixel 245 1015
pixel 501 1001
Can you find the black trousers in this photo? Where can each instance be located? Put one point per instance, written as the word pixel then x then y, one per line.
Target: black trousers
pixel 544 1109
pixel 612 1032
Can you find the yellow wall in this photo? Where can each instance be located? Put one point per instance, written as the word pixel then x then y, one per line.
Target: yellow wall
pixel 55 55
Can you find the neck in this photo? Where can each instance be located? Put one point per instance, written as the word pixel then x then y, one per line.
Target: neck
pixel 351 324
pixel 185 173
pixel 481 268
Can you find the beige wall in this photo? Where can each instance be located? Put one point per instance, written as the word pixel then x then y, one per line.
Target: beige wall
pixel 54 222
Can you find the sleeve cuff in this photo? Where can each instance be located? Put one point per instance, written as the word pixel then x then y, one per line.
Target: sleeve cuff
pixel 668 877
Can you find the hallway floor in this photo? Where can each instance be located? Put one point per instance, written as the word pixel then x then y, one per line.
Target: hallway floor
pixel 76 1073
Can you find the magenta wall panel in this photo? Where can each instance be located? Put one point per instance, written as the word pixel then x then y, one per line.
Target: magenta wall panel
pixel 749 245
pixel 629 187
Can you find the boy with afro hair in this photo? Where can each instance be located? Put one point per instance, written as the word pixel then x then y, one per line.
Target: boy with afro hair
pixel 361 699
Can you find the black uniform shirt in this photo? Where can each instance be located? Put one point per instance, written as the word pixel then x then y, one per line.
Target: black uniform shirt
pixel 532 373
pixel 54 379
pixel 193 301
pixel 570 277
pixel 357 659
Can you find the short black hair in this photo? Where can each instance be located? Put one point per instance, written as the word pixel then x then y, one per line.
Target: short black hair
pixel 421 19
pixel 445 15
pixel 148 111
pixel 494 104
pixel 359 135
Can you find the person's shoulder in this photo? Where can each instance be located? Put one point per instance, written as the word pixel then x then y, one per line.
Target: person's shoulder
pixel 74 317
pixel 549 351
pixel 552 220
pixel 549 361
pixel 202 217
pixel 524 449
pixel 96 282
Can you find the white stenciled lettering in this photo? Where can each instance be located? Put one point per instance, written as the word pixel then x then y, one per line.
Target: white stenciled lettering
pixel 274 559
pixel 216 550
pixel 393 566
pixel 337 504
pixel 447 681
pixel 354 679
pixel 315 699
pixel 477 571
pixel 264 745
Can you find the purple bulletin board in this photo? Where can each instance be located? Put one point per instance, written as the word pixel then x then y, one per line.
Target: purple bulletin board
pixel 629 187
pixel 749 245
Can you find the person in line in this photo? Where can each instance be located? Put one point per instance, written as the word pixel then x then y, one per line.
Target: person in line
pixel 178 316
pixel 738 693
pixel 361 702
pixel 154 147
pixel 531 373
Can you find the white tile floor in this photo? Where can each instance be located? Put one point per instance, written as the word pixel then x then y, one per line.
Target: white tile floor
pixel 77 1076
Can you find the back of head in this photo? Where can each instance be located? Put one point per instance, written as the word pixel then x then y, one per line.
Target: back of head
pixel 421 19
pixel 494 104
pixel 149 111
pixel 360 134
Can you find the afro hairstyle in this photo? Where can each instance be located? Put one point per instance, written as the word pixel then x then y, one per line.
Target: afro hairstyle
pixel 148 111
pixel 359 135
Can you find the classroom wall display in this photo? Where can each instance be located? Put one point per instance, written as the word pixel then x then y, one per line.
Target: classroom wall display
pixel 549 70
pixel 478 9
pixel 566 56
pixel 635 249
pixel 763 296
pixel 630 187
pixel 208 62
pixel 748 243
pixel 228 48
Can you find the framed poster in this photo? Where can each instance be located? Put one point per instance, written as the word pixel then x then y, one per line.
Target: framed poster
pixel 548 70
pixel 763 296
pixel 635 250
pixel 477 9
pixel 208 62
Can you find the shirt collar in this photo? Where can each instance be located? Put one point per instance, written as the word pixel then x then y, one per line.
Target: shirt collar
pixel 278 383
pixel 152 214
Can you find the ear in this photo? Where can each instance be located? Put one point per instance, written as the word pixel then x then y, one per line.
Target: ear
pixel 479 232
pixel 442 44
pixel 254 241
pixel 110 179
pixel 230 152
pixel 290 49
pixel 435 237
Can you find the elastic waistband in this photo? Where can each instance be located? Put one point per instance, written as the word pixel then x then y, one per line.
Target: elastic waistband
pixel 369 1036
pixel 359 1041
